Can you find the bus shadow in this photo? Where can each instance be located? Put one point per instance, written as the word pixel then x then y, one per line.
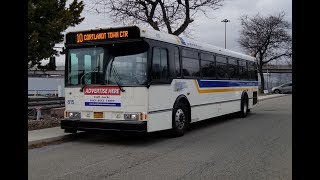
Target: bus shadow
pixel 121 138
pixel 143 139
pixel 216 121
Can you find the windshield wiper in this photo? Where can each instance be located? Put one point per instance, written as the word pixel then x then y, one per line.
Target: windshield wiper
pixel 84 83
pixel 117 79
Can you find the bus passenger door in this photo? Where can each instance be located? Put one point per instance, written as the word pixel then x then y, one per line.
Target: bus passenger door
pixel 160 91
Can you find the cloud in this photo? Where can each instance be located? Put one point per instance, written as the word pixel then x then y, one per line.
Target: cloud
pixel 212 31
pixel 204 29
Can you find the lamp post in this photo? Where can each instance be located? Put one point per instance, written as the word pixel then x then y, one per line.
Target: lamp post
pixel 225 32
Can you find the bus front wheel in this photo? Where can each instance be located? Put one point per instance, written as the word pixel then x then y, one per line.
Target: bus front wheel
pixel 73 131
pixel 180 120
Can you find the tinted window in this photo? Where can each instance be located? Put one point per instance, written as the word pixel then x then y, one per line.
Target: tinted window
pixel 208 69
pixel 221 59
pixel 190 67
pixel 242 63
pixel 206 56
pixel 222 67
pixel 160 70
pixel 177 62
pixel 190 54
pixel 243 70
pixel 252 71
pixel 232 61
pixel 233 69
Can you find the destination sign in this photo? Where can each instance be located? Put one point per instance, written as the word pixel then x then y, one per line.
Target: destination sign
pixel 102 35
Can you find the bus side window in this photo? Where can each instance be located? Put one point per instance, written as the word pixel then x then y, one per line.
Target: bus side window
pixel 243 70
pixel 255 71
pixel 251 69
pixel 160 64
pixel 222 67
pixel 177 62
pixel 208 66
pixel 233 68
pixel 190 63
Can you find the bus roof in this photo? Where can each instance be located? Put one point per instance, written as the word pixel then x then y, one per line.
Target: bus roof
pixel 170 38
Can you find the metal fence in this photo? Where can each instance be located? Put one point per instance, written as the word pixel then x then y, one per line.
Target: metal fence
pixel 276 79
pixel 50 93
pixel 37 107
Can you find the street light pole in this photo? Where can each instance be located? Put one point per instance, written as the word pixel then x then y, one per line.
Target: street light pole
pixel 225 32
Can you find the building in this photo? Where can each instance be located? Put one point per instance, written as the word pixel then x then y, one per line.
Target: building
pixel 275 75
pixel 46 83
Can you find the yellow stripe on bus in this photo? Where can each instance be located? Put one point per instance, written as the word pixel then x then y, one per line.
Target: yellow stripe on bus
pixel 178 41
pixel 222 89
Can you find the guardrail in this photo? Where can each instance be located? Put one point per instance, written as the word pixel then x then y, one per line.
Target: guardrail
pixel 37 107
pixel 43 92
pixel 46 103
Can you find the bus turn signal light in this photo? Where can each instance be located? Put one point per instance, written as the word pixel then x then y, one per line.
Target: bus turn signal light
pixel 143 116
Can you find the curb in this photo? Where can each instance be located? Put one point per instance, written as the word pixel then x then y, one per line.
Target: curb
pixel 56 139
pixel 49 140
pixel 280 95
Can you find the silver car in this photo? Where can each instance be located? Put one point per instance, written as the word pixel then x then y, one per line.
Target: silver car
pixel 284 88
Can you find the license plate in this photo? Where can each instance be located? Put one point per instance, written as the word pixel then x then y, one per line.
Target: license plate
pixel 98 114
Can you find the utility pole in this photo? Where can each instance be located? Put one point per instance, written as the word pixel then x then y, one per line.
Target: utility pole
pixel 225 32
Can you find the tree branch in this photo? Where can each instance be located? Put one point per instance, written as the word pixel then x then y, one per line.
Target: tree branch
pixel 276 57
pixel 171 15
pixel 187 20
pixel 165 18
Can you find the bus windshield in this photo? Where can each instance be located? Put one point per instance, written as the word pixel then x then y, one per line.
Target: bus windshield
pixel 107 65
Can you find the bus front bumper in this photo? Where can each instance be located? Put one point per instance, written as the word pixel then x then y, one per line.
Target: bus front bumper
pixel 104 125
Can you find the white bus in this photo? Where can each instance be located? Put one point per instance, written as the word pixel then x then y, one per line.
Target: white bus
pixel 138 79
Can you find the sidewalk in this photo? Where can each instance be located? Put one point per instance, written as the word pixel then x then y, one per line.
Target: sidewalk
pixel 55 134
pixel 270 96
pixel 46 135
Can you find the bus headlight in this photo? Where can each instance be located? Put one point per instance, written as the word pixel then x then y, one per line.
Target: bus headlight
pixel 73 115
pixel 131 116
pixel 136 116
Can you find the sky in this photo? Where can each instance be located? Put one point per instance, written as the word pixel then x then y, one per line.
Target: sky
pixel 211 31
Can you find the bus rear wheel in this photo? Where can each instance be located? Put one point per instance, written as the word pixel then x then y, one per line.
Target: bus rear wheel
pixel 180 120
pixel 244 109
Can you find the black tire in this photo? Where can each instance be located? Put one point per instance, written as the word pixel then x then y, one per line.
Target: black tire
pixel 180 120
pixel 277 91
pixel 73 131
pixel 244 109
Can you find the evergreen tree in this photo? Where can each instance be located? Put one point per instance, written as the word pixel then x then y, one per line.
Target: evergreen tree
pixel 46 20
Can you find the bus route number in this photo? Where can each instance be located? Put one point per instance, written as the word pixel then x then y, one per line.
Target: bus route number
pixel 70 102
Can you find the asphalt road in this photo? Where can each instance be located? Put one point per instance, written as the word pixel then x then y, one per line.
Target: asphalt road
pixel 257 147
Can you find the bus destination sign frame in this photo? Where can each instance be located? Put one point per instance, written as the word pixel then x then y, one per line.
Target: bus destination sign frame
pixel 102 35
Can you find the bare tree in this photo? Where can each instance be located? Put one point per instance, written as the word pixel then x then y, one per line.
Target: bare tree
pixel 266 38
pixel 172 16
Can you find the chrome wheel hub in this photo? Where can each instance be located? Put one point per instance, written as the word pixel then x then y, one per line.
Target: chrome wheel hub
pixel 180 119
